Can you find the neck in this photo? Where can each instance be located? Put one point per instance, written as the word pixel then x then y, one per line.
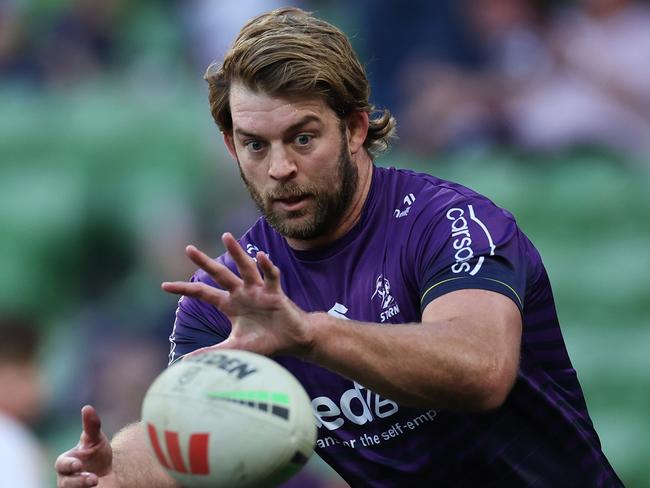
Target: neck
pixel 351 216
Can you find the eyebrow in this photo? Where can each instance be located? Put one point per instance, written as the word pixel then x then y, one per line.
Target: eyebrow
pixel 292 128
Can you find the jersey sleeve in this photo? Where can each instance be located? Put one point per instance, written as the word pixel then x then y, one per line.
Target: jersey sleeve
pixel 197 324
pixel 470 244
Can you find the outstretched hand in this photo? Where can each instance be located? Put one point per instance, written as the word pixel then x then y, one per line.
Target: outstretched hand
pixel 90 460
pixel 264 320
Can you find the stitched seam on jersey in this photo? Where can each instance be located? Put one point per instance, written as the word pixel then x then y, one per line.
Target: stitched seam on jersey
pixel 439 283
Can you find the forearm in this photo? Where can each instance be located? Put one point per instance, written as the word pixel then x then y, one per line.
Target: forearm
pixel 429 365
pixel 133 464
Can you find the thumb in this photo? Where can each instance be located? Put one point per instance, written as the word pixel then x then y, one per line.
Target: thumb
pixel 92 427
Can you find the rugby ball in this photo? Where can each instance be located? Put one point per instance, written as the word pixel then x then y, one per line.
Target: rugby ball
pixel 229 418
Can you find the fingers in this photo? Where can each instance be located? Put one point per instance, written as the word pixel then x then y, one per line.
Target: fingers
pixel 92 426
pixel 221 274
pixel 270 270
pixel 79 480
pixel 67 464
pixel 199 290
pixel 245 264
pixel 224 277
pixel 69 474
pixel 70 465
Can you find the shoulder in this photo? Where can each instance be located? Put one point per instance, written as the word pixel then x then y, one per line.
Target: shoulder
pixel 443 224
pixel 397 181
pixel 420 200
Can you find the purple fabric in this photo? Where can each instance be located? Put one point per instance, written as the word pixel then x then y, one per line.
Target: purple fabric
pixel 418 238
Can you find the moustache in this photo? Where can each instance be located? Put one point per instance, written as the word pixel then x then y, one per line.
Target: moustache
pixel 288 192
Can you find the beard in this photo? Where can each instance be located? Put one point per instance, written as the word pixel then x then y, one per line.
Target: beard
pixel 330 198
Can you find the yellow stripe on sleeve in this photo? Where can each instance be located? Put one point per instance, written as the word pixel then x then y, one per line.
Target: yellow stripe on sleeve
pixel 439 283
pixel 521 304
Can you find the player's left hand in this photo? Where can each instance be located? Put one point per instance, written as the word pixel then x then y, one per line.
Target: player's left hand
pixel 90 462
pixel 264 320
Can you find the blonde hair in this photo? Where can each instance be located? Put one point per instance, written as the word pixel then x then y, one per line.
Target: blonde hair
pixel 288 52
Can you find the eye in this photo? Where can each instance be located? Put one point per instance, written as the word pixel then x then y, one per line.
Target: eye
pixel 303 139
pixel 254 146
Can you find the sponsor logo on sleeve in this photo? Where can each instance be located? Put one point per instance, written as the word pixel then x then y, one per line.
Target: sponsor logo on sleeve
pixel 462 240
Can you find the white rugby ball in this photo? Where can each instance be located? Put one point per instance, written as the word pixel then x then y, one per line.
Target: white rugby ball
pixel 229 419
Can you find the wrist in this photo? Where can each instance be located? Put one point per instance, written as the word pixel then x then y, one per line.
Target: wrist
pixel 317 326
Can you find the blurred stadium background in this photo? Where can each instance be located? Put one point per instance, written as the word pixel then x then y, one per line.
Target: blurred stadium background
pixel 110 163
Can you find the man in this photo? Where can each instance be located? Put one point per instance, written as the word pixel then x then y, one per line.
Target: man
pixel 22 395
pixel 414 311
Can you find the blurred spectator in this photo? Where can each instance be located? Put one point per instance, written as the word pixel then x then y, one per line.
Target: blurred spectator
pixel 17 59
pixel 454 106
pixel 82 39
pixel 211 25
pixel 22 462
pixel 596 91
pixel 404 40
pixel 548 81
pixel 511 35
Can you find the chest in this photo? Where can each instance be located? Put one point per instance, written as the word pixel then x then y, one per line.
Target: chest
pixel 369 284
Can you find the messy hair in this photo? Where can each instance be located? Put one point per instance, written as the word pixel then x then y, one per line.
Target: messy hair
pixel 289 53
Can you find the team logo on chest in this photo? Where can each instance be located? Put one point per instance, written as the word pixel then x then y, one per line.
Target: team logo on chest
pixel 389 306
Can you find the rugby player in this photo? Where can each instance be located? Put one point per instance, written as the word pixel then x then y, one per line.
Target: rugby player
pixel 414 311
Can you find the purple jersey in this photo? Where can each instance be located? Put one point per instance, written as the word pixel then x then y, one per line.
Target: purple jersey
pixel 418 238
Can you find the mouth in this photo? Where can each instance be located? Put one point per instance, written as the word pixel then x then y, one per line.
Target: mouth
pixel 292 203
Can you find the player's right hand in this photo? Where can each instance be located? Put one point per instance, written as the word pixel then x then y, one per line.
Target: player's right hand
pixel 264 319
pixel 91 460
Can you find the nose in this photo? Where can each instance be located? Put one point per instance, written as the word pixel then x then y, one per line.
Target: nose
pixel 281 164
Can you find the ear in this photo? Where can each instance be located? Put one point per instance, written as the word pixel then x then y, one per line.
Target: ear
pixel 357 132
pixel 229 141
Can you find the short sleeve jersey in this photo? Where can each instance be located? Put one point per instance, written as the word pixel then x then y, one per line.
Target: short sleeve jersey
pixel 420 237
